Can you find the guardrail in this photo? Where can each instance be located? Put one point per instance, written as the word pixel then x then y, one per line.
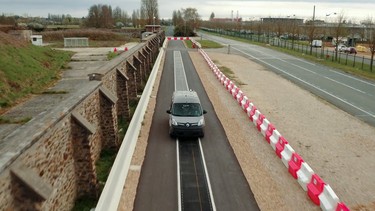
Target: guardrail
pixel 111 195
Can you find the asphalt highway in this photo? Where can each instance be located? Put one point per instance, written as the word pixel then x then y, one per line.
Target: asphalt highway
pixel 349 93
pixel 158 185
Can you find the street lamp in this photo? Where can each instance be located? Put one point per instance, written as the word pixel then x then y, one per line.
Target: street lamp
pixel 331 14
pixel 185 27
pixel 153 29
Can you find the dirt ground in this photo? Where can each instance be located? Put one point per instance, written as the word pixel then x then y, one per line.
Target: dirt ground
pixel 338 146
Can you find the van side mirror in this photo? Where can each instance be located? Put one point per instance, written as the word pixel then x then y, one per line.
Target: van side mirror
pixel 204 112
pixel 168 111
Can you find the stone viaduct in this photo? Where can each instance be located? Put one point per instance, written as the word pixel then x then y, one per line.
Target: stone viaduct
pixel 54 164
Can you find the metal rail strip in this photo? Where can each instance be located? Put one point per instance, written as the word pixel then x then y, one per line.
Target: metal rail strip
pixel 193 183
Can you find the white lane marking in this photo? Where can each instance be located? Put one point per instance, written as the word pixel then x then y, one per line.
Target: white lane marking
pixel 178 176
pixel 345 85
pixel 351 77
pixel 313 72
pixel 178 53
pixel 177 59
pixel 207 177
pixel 312 85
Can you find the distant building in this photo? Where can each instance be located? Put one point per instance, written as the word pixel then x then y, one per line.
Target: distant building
pixel 226 20
pixel 152 28
pixel 37 40
pixel 295 21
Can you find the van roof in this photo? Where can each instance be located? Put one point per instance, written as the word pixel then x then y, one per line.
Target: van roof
pixel 185 97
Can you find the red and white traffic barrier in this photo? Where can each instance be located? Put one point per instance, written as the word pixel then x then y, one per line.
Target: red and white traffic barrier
pixel 178 38
pixel 240 95
pixel 295 164
pixel 304 175
pixel 286 154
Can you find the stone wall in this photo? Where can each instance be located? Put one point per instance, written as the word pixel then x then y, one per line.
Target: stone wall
pixel 48 168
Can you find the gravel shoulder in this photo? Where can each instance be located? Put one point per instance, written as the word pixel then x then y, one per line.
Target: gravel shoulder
pixel 338 146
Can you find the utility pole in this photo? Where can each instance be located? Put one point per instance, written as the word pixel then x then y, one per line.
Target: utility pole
pixel 312 32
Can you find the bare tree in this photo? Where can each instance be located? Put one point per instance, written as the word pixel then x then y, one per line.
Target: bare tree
pixel 339 30
pixel 100 16
pixel 94 16
pixel 293 29
pixel 150 10
pixel 369 34
pixel 135 18
pixel 191 17
pixel 372 45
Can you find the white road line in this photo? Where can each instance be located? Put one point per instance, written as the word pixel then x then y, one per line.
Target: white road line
pixel 345 85
pixel 313 72
pixel 178 54
pixel 177 59
pixel 207 177
pixel 351 77
pixel 178 175
pixel 312 85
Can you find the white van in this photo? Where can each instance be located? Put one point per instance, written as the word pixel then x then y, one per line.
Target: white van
pixel 186 115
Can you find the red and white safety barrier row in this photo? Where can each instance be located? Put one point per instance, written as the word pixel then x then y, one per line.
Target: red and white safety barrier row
pixel 318 191
pixel 178 38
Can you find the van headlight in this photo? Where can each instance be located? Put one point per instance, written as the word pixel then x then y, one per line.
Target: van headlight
pixel 201 122
pixel 174 122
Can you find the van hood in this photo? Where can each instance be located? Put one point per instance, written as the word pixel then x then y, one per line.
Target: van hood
pixel 185 119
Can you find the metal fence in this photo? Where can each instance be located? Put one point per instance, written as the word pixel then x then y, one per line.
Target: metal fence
pixel 359 62
pixel 76 42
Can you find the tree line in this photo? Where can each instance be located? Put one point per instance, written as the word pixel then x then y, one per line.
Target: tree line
pixel 99 16
pixel 185 21
pixel 103 16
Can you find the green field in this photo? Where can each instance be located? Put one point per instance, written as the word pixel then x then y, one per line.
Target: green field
pixel 27 70
pixel 204 43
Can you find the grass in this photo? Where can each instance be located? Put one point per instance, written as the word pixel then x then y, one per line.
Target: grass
pixel 85 204
pixel 103 167
pixel 111 55
pixel 4 120
pixel 204 44
pixel 27 70
pixel 122 127
pixel 105 163
pixel 327 62
pixel 133 105
pixel 229 73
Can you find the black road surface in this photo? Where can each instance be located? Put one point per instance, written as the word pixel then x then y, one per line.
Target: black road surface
pixel 158 188
pixel 194 187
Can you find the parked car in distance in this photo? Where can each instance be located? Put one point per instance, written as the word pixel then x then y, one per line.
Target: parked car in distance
pixel 317 43
pixel 350 50
pixel 341 48
pixel 186 115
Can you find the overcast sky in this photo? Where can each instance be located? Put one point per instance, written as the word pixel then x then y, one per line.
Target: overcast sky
pixel 356 10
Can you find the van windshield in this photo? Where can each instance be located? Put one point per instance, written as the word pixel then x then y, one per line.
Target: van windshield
pixel 186 109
